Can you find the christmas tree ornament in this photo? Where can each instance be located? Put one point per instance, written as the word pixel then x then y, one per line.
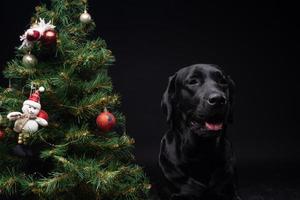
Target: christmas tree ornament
pixel 2 134
pixel 28 122
pixel 29 60
pixel 35 33
pixel 85 17
pixel 23 138
pixel 106 121
pixel 43 114
pixel 43 26
pixel 49 37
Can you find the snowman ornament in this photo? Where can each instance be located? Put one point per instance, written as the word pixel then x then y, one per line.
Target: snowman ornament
pixel 28 122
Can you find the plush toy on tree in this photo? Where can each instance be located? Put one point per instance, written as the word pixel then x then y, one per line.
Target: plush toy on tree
pixel 28 121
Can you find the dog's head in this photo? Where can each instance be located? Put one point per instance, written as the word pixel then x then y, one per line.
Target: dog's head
pixel 199 97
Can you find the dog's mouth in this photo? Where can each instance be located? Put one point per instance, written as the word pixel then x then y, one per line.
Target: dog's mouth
pixel 212 123
pixel 214 126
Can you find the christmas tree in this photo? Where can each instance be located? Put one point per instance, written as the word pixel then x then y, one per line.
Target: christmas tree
pixel 61 134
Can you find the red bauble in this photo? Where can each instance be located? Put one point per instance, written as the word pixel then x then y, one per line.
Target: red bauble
pixel 106 121
pixel 49 37
pixel 43 114
pixel 33 35
pixel 2 135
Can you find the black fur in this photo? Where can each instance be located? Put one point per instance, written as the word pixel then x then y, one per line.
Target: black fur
pixel 198 161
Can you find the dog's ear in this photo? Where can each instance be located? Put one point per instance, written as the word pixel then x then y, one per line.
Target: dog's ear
pixel 168 98
pixel 231 90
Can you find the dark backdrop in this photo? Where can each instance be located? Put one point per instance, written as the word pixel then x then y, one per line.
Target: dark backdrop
pixel 253 41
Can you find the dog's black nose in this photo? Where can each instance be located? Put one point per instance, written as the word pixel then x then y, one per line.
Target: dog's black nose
pixel 216 99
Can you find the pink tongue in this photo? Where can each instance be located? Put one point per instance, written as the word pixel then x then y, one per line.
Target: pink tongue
pixel 213 127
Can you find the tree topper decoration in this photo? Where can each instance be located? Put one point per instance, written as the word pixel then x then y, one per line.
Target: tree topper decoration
pixel 35 32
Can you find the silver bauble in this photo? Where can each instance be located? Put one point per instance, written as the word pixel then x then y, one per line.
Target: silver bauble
pixel 85 17
pixel 29 60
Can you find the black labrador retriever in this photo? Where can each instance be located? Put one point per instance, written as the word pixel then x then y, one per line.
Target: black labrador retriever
pixel 195 155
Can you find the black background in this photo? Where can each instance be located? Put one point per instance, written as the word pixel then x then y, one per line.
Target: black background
pixel 254 42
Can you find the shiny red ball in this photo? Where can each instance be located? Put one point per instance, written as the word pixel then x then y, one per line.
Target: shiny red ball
pixel 43 114
pixel 49 37
pixel 33 35
pixel 106 121
pixel 2 135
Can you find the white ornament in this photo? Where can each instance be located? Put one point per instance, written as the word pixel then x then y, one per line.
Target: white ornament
pixel 85 17
pixel 42 26
pixel 29 60
pixel 41 89
pixel 25 43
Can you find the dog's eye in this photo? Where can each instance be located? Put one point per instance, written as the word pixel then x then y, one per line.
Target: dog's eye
pixel 193 82
pixel 222 80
